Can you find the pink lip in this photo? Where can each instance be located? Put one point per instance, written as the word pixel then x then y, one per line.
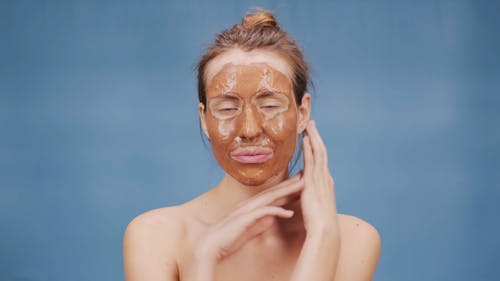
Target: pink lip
pixel 252 155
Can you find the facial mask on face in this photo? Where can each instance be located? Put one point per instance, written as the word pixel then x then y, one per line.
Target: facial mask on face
pixel 251 109
pixel 268 103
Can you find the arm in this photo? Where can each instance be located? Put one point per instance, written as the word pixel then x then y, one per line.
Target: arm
pixel 361 248
pixel 150 243
pixel 248 220
pixel 320 258
pixel 360 251
pixel 148 251
pixel 321 250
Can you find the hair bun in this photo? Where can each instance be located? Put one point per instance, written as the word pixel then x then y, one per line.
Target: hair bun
pixel 259 19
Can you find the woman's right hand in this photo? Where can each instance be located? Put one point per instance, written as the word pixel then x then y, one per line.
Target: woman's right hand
pixel 251 217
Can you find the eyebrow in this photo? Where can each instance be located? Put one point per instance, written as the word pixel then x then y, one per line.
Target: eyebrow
pixel 268 93
pixel 265 93
pixel 227 96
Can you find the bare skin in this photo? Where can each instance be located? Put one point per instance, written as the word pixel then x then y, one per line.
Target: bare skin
pixel 255 224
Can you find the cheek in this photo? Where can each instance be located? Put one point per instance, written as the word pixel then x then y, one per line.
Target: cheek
pixel 282 130
pixel 221 131
pixel 282 127
pixel 225 128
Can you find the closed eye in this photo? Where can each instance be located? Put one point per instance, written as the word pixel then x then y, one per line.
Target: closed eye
pixel 270 106
pixel 227 109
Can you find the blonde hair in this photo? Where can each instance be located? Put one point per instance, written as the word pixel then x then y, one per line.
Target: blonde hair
pixel 259 30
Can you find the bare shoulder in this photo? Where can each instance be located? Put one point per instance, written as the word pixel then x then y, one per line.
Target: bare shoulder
pixel 361 247
pixel 158 219
pixel 157 227
pixel 355 227
pixel 151 244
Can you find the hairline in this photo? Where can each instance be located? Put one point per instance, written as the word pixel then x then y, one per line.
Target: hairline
pixel 253 56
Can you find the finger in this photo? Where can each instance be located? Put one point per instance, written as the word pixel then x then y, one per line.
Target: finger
pixel 282 184
pixel 274 211
pixel 308 157
pixel 286 182
pixel 263 223
pixel 317 145
pixel 246 226
pixel 245 221
pixel 274 196
pixel 287 199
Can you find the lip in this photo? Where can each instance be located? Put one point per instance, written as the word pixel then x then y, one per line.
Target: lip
pixel 252 155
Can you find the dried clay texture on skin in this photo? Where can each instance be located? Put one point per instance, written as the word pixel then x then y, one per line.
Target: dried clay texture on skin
pixel 251 105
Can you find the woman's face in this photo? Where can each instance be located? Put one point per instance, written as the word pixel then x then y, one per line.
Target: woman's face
pixel 251 118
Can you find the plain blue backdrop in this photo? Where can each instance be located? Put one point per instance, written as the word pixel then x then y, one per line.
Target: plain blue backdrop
pixel 98 123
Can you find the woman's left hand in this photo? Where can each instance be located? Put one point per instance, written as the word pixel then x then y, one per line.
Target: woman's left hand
pixel 318 197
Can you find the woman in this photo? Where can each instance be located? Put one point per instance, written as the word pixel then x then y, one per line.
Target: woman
pixel 258 223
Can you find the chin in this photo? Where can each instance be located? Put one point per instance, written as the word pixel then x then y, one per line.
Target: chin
pixel 256 179
pixel 251 181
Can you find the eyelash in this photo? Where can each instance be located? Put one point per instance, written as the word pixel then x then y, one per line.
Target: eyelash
pixel 269 106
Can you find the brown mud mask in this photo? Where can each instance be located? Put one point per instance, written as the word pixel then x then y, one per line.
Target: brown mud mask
pixel 251 119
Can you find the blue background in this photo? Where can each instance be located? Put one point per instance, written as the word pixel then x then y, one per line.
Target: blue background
pixel 98 123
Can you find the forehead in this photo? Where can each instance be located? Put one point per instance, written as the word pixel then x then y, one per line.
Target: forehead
pixel 238 57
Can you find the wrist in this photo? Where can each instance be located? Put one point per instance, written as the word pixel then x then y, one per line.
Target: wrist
pixel 200 265
pixel 323 231
pixel 204 255
pixel 324 239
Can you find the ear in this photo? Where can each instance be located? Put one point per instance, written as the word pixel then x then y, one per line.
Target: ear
pixel 201 110
pixel 304 113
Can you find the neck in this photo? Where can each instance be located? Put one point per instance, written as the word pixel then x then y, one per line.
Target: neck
pixel 230 192
pixel 234 192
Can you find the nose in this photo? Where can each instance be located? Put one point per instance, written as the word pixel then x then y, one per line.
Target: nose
pixel 250 123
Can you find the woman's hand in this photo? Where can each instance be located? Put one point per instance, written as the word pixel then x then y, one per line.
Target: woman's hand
pixel 321 250
pixel 250 218
pixel 318 197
